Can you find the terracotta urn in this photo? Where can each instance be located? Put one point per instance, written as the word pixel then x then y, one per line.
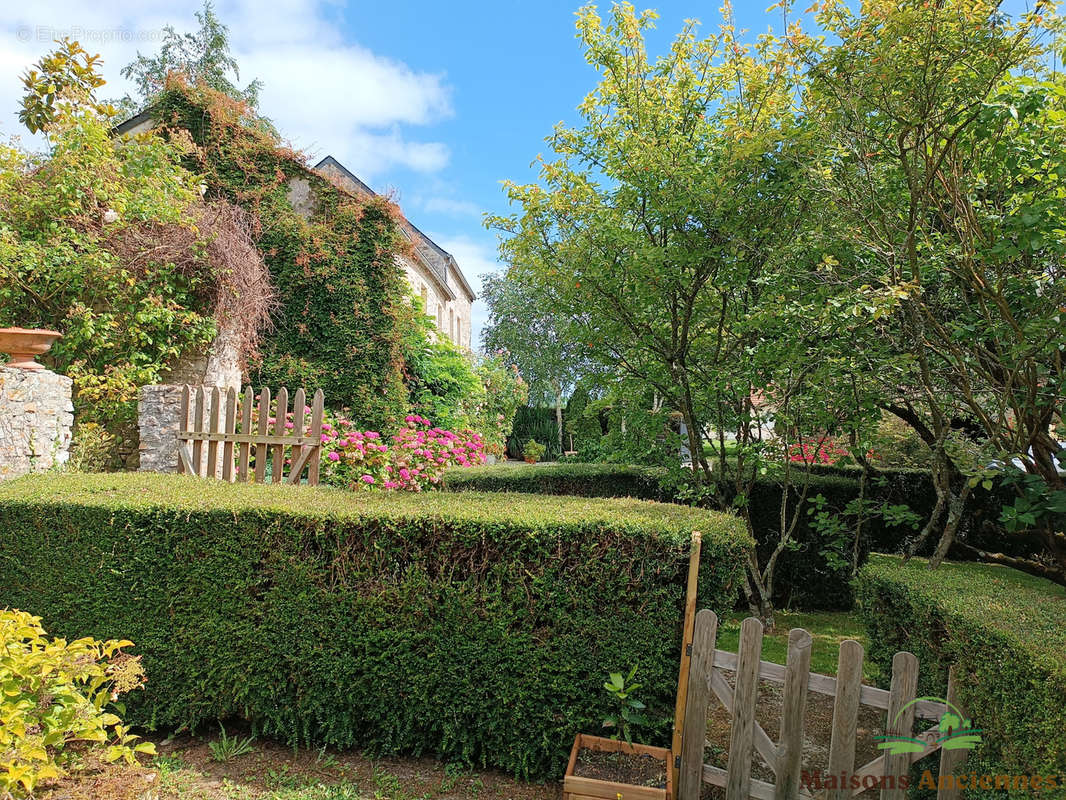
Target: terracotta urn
pixel 23 345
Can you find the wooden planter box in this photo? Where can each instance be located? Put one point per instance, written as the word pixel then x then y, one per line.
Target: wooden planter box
pixel 577 788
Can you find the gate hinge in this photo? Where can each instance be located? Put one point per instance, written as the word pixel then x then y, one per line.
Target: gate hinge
pixel 677 762
pixel 688 649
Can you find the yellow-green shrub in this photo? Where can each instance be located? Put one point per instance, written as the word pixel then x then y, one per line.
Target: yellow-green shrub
pixel 55 693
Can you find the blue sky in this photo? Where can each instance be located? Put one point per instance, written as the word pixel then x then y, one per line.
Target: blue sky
pixel 435 102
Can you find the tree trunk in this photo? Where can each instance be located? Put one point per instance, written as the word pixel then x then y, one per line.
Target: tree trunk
pixel 559 418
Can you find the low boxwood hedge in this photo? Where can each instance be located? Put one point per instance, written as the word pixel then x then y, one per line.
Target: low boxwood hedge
pixel 813 574
pixel 1005 632
pixel 445 624
pixel 583 480
pixel 816 572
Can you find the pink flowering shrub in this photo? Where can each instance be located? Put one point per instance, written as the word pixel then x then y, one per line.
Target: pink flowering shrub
pixel 821 451
pixel 412 460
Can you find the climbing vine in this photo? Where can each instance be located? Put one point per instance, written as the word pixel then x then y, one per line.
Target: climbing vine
pixel 333 261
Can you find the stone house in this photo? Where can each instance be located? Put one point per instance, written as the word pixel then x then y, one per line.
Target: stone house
pixel 432 272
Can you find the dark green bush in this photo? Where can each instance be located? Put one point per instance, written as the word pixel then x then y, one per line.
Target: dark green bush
pixel 808 575
pixel 811 575
pixel 583 480
pixel 539 423
pixel 1005 632
pixel 445 624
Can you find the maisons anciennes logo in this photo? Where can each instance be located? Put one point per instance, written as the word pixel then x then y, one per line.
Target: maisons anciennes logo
pixel 956 732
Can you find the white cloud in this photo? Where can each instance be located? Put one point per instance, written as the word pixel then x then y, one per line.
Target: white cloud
pixel 451 205
pixel 475 258
pixel 325 94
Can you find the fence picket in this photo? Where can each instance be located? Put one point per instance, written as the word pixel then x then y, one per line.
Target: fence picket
pixel 212 445
pixel 317 411
pixel 951 761
pixel 697 704
pixel 900 722
pixel 845 715
pixel 277 473
pixel 246 427
pixel 262 450
pixel 230 429
pixel 793 707
pixel 198 427
pixel 745 696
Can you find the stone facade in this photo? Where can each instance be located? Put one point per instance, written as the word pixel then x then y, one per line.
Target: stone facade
pixel 158 418
pixel 432 272
pixel 36 419
pixel 219 365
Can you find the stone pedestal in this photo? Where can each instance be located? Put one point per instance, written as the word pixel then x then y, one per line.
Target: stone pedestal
pixel 158 418
pixel 36 418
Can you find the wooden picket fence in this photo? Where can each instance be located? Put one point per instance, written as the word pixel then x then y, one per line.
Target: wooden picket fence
pixel 785 757
pixel 211 442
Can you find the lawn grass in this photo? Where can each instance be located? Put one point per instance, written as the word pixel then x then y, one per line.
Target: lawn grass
pixel 827 628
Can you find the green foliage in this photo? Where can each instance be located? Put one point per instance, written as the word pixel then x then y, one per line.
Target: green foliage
pixel 420 624
pixel 226 748
pixel 68 75
pixel 532 451
pixel 73 257
pixel 505 393
pixel 200 57
pixel 54 696
pixel 440 377
pixel 454 388
pixel 533 422
pixel 815 570
pixel 1004 632
pixel 628 711
pixel 583 480
pixel 341 291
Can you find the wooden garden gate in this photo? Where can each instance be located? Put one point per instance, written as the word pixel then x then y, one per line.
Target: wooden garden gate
pixel 785 756
pixel 246 453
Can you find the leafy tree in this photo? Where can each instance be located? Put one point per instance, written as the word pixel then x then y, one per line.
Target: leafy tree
pixel 656 233
pixel 942 162
pixel 201 57
pixel 107 240
pixel 524 328
pixel 67 76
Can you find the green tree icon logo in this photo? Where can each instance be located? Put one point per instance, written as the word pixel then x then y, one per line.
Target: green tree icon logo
pixel 956 732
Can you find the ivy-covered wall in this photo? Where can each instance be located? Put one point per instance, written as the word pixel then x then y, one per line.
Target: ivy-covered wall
pixel 339 288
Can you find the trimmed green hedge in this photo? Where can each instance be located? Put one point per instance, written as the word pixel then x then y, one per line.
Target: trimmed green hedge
pixel 806 578
pixel 1005 631
pixel 452 625
pixel 583 480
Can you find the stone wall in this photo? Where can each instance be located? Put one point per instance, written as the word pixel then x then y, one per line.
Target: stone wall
pixel 218 365
pixel 36 418
pixel 158 418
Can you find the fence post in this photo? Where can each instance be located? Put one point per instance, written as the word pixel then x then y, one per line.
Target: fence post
pixel 691 590
pixel 904 687
pixel 793 708
pixel 745 696
pixel 951 760
pixel 845 714
pixel 697 702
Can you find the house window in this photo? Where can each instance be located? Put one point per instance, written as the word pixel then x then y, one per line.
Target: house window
pixel 425 297
pixel 459 330
pixel 440 317
pixel 451 324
